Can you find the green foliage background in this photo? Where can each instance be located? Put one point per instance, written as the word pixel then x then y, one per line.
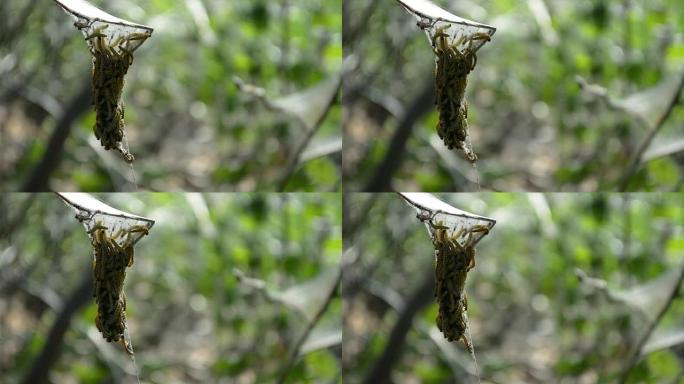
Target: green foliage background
pixel 531 318
pixel 187 123
pixel 530 123
pixel 190 318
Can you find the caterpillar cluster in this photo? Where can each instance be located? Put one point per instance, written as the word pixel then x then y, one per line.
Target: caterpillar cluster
pixel 452 263
pixel 111 63
pixel 109 273
pixel 451 78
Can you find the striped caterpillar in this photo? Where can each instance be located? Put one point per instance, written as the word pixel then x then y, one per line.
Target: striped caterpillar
pixel 453 261
pixel 451 78
pixel 109 272
pixel 111 63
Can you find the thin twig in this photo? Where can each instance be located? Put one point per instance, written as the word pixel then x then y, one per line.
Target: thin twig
pixel 635 354
pixel 635 162
pixel 294 159
pixel 309 327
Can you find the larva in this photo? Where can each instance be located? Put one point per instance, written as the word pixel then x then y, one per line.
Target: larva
pixel 111 63
pixel 453 261
pixel 451 78
pixel 109 273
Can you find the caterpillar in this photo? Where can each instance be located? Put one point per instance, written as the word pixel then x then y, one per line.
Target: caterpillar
pixel 451 77
pixel 109 273
pixel 453 261
pixel 111 62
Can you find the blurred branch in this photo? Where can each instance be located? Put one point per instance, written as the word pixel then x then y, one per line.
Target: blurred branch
pixel 305 298
pixel 627 106
pixel 601 93
pixel 351 30
pixel 8 227
pixel 38 373
pixel 255 92
pixel 354 218
pixel 421 298
pixel 285 35
pixel 635 353
pixel 309 327
pixel 392 299
pixel 291 167
pixel 38 180
pixel 9 31
pixel 635 162
pixel 421 104
pixel 542 16
pixel 640 299
pixel 200 16
pixel 326 91
pixel 255 284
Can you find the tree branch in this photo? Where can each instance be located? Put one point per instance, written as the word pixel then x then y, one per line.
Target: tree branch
pixel 38 181
pixel 635 353
pixel 38 373
pixel 382 178
pixel 635 162
pixel 421 298
pixel 291 167
pixel 294 354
